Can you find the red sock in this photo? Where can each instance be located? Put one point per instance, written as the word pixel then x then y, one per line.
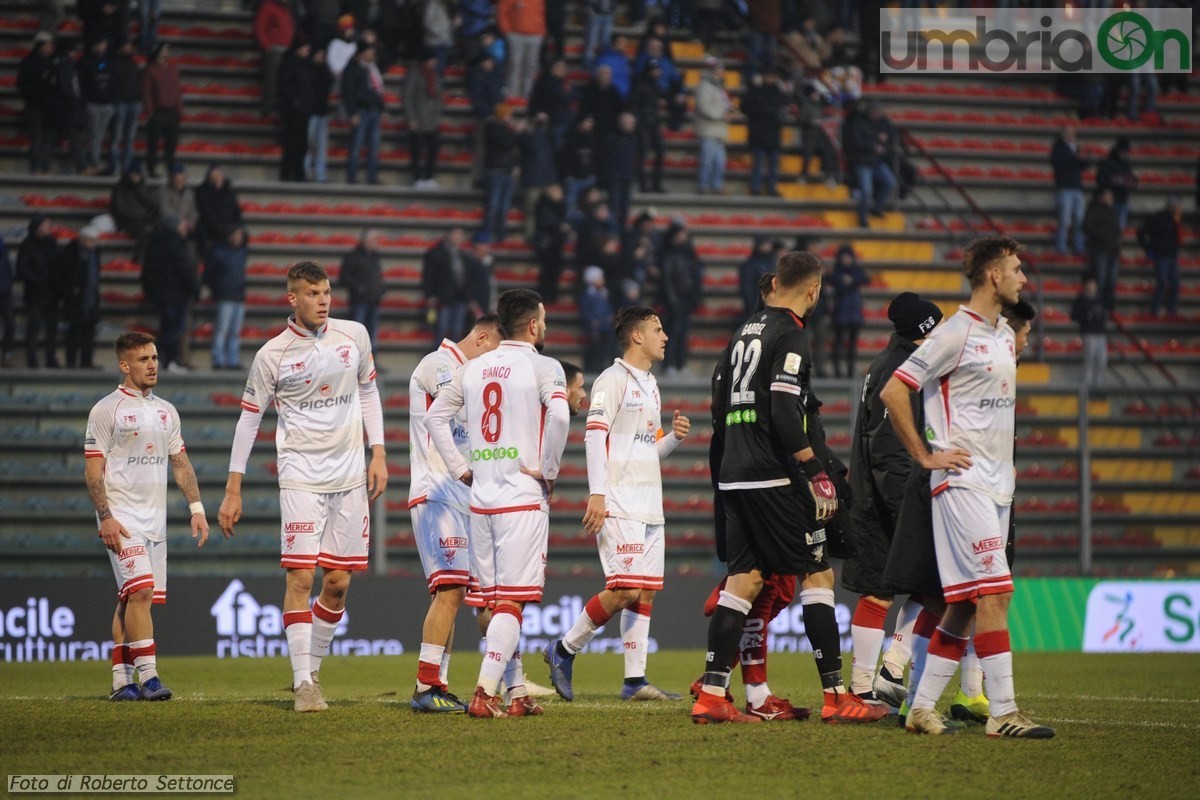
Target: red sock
pixel 869 614
pixel 991 643
pixel 710 605
pixel 595 612
pixel 926 624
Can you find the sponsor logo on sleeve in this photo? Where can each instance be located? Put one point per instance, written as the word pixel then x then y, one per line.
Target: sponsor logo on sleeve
pixel 791 363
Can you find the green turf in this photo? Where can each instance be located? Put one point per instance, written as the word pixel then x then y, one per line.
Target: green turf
pixel 1127 727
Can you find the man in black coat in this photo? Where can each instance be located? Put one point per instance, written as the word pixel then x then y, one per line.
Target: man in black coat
pixel 96 85
pixel 551 232
pixel 864 143
pixel 169 283
pixel 879 470
pixel 133 204
pixel 218 207
pixel 296 102
pixel 79 283
pixel 646 100
pixel 444 278
pixel 65 105
pixel 35 81
pixel 1068 164
pixel 579 163
pixel 618 166
pixel 37 262
pixel 1159 236
pixel 552 96
pixel 601 101
pixel 362 103
pixel 362 278
pixel 764 105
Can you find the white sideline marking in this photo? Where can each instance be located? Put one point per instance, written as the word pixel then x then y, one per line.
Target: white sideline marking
pixel 1124 723
pixel 1096 699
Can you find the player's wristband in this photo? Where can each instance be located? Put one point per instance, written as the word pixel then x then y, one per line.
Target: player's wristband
pixel 196 508
pixel 812 468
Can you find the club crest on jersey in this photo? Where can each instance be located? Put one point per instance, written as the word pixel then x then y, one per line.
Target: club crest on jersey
pixel 1004 387
pixel 325 390
pixel 343 354
pixel 163 419
pixel 981 349
pixel 149 448
pixel 791 363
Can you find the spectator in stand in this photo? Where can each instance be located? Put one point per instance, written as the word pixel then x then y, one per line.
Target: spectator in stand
pixel 551 233
pixel 342 48
pixel 618 166
pixel 765 105
pixel 164 104
pixel 362 103
pixel 601 101
pixel 599 29
pixel 79 285
pixel 596 314
pixel 8 320
pixel 1068 164
pixel 812 50
pixel 296 97
pixel 864 142
pixel 670 80
pixel 35 82
pixel 321 22
pixel 552 97
pixel 169 284
pixel 37 261
pixel 500 159
pixel 682 293
pixel 362 278
pixel 1116 174
pixel 96 86
pixel 127 96
pixel 523 23
pixel 437 27
pixel 423 108
pixel 274 31
pixel 646 102
pixel 708 20
pixel 220 212
pixel 481 278
pixel 225 276
pixel 1092 315
pixel 765 26
pixel 763 256
pixel 177 199
pixel 317 156
pixel 444 287
pixel 595 227
pixel 66 104
pixel 538 168
pixel 638 252
pixel 149 12
pixel 713 111
pixel 1160 235
pixel 1102 239
pixel 1142 79
pixel 103 20
pixel 556 24
pixel 485 85
pixel 615 56
pixel 814 140
pixel 579 163
pixel 134 206
pixel 847 317
pixel 477 16
pixel 816 323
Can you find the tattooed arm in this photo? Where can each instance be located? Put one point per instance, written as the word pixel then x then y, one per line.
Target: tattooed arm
pixel 111 531
pixel 185 479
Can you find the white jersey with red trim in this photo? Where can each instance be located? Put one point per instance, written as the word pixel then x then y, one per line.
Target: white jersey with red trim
pixel 430 479
pixel 624 429
pixel 515 401
pixel 967 369
pixel 135 434
pixel 313 379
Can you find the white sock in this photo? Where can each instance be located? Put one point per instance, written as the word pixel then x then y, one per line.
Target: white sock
pixel 503 639
pixel 444 672
pixel 590 622
pixel 635 636
pixel 144 659
pixel 299 638
pixel 324 623
pixel 900 649
pixel 757 694
pixel 514 677
pixel 934 680
pixel 920 652
pixel 971 675
pixel 998 672
pixel 122 670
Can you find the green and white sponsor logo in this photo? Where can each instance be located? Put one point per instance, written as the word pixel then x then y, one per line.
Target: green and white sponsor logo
pixel 739 416
pixel 495 454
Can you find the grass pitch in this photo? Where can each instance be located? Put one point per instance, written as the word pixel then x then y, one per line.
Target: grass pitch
pixel 1128 726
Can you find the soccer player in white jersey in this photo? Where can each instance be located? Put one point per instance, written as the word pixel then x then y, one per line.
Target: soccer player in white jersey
pixel 967 369
pixel 132 434
pixel 440 507
pixel 320 375
pixel 517 419
pixel 625 443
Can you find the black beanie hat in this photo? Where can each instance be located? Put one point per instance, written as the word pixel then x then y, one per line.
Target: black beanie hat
pixel 913 317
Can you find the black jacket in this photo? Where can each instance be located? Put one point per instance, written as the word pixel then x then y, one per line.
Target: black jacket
pixel 362 276
pixel 357 94
pixel 168 274
pixel 859 137
pixel 579 155
pixel 127 79
pixel 78 279
pixel 1101 229
pixel 764 107
pixel 134 206
pixel 549 217
pixel 537 159
pixel 438 281
pixel 644 101
pixel 35 80
pixel 603 105
pixel 1090 313
pixel 1068 165
pixel 499 145
pixel 682 279
pixel 219 210
pixel 619 159
pixel 225 273
pixel 1159 234
pixel 37 265
pixel 552 97
pixel 322 85
pixel 96 79
pixel 1116 174
pixel 296 95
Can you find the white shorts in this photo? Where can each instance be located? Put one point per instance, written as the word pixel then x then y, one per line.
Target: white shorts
pixel 508 555
pixel 970 532
pixel 141 564
pixel 331 531
pixel 632 554
pixel 442 533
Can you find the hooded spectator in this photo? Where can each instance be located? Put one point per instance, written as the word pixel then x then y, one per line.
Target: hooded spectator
pixel 35 82
pixel 37 263
pixel 682 293
pixel 1102 241
pixel 646 101
pixel 1160 235
pixel 762 260
pixel 65 104
pixel 601 101
pixel 297 98
pixel 219 210
pixel 1116 174
pixel 764 106
pixel 79 283
pixel 134 205
pixel 552 97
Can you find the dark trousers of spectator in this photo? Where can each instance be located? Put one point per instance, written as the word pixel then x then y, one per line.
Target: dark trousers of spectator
pixel 875 187
pixel 818 334
pixel 499 200
pixel 845 340
pixel 1166 284
pixel 81 338
pixel 294 145
pixel 451 322
pixel 124 135
pixel 367 315
pixel 678 324
pixel 365 133
pixel 271 59
pixel 620 194
pixel 423 149
pixel 1104 267
pixel 41 321
pixel 815 142
pixel 764 161
pixel 172 327
pixel 41 141
pixel 650 140
pixel 550 268
pixel 9 321
pixel 164 126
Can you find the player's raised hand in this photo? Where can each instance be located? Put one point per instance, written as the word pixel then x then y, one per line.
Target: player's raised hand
pixel 200 530
pixel 681 425
pixel 229 513
pixel 377 476
pixel 954 460
pixel 593 517
pixel 111 532
pixel 547 485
